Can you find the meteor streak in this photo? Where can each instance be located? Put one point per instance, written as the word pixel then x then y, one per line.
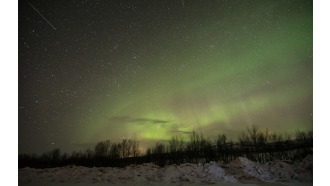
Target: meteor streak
pixel 42 16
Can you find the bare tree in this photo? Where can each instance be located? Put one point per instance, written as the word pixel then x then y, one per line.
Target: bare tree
pixel 89 153
pixel 114 151
pixel 135 148
pixel 176 144
pixel 101 149
pixel 221 142
pixel 159 148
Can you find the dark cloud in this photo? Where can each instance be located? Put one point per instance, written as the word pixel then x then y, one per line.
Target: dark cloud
pixel 140 121
pixel 147 120
pixel 181 132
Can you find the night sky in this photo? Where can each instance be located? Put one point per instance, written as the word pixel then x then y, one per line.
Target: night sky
pixel 98 69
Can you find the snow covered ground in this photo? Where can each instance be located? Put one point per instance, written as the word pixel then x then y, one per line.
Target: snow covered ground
pixel 239 172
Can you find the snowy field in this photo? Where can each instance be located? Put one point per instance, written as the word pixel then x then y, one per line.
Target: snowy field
pixel 239 172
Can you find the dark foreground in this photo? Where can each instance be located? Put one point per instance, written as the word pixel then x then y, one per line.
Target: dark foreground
pixel 238 172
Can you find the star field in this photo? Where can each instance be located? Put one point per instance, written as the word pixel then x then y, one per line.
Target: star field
pixel 156 69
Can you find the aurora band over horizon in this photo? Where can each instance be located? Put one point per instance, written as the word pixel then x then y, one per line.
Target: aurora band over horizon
pixel 232 83
pixel 212 68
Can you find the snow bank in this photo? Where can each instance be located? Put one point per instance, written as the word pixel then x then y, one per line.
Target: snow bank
pixel 280 171
pixel 241 170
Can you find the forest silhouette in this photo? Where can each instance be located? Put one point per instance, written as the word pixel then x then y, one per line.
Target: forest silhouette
pixel 254 144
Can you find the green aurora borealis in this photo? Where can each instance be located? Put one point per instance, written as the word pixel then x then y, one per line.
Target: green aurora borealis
pixel 213 67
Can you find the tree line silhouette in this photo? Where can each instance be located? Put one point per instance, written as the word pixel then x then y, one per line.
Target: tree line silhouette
pixel 255 144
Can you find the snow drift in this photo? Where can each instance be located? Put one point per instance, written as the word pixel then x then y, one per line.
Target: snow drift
pixel 241 170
